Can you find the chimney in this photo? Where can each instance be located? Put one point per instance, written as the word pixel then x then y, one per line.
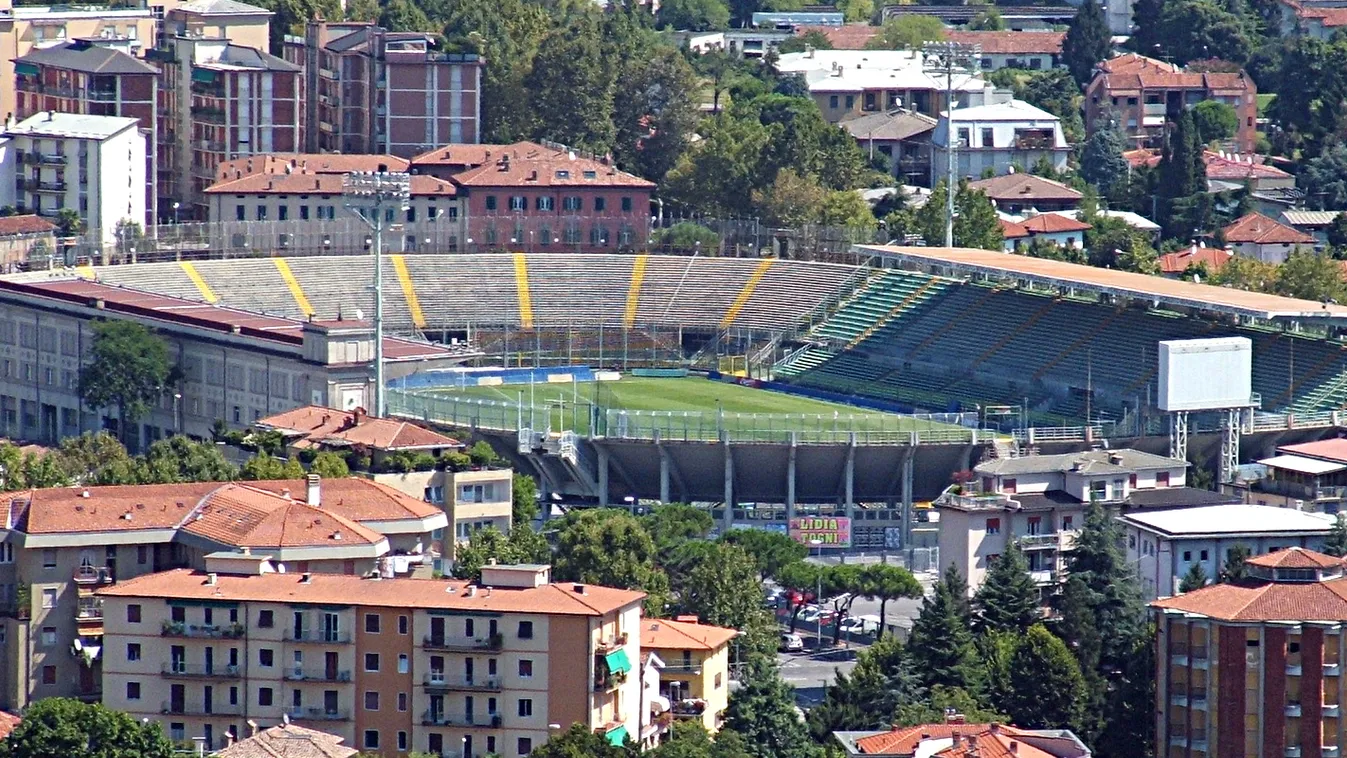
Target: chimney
pixel 306 578
pixel 470 591
pixel 252 728
pixel 314 495
pixel 285 492
pixel 579 589
pixel 199 745
pixel 994 728
pixel 1014 747
pixel 958 739
pixel 212 578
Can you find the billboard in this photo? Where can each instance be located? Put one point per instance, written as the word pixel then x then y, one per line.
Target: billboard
pixel 821 531
pixel 1205 374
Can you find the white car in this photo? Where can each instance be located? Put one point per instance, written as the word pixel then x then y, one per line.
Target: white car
pixel 791 643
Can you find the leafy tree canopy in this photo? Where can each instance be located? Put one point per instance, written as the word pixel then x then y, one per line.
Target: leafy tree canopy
pixel 65 726
pixel 128 368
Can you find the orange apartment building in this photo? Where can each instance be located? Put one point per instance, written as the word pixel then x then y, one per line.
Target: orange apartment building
pixel 1253 668
pixel 389 665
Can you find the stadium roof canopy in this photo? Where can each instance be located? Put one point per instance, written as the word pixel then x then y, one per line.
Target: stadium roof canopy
pixel 1074 276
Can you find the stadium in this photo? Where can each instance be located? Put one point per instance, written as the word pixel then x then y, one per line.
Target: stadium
pixel 867 381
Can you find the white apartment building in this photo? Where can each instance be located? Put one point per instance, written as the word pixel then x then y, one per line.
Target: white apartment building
pixel 846 83
pixel 995 132
pixel 94 165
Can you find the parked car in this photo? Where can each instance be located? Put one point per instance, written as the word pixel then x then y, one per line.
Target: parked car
pixel 791 643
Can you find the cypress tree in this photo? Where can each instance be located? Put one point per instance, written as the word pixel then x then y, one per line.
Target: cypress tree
pixel 941 645
pixel 1195 579
pixel 1087 42
pixel 1047 689
pixel 1336 543
pixel 1007 601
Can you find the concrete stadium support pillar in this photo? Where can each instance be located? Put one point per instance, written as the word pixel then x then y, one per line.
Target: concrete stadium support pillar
pixel 790 476
pixel 909 465
pixel 850 484
pixel 663 475
pixel 728 519
pixel 603 475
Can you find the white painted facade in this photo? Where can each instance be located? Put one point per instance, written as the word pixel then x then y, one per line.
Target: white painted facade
pixel 995 135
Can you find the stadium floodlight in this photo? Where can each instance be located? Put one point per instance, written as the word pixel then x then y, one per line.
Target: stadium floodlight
pixel 949 58
pixel 376 197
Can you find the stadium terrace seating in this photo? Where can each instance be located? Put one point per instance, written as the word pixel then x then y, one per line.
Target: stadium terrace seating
pixel 886 297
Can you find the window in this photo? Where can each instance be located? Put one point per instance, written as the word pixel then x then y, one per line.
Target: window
pixel 49 597
pixel 402 742
pixel 266 619
pixel 402 701
pixel 372 700
pixel 49 558
pixel 142 555
pixel 962 137
pixel 572 203
pixel 261 213
pixel 371 739
pixel 133 651
pixel 525 630
pixel 133 690
pixel 264 695
pixel 626 205
pixel 49 675
pixel 266 657
pixel 1203 554
pixel 599 203
pixel 546 203
pixel 491 202
pixel 1008 486
pixel 988 138
pixel 526 743
pixel 240 214
pixel 303 213
pixel 1132 481
pixel 48 636
pixel 832 101
pixel 178 614
pixel 521 203
pixel 525 707
pixel 371 661
pixel 993 526
pixel 525 668
pixel 402 625
pixel 1187 555
pixel 133 613
pixel 717 680
pixel 1162 479
pixel 371 623
pixel 1067 522
pixel 404 664
pixel 283 213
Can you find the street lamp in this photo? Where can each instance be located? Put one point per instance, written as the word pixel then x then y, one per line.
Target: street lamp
pixel 818 597
pixel 370 195
pixel 176 205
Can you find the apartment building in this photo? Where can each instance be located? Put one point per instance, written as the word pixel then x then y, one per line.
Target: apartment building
pixel 1308 476
pixel 370 90
pixel 99 78
pixel 94 165
pixel 848 83
pixel 694 680
pixel 995 133
pixel 388 665
pixel 1039 502
pixel 1145 94
pixel 237 366
pixel 62 544
pixel 1254 668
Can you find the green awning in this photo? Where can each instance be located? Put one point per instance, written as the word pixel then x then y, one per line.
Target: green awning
pixel 203 75
pixel 618 662
pixel 27 69
pixel 617 736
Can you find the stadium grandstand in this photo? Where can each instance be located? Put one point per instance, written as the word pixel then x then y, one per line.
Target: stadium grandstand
pixel 931 328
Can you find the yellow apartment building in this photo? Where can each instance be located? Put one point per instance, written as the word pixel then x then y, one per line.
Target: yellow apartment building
pixel 696 674
pixel 389 665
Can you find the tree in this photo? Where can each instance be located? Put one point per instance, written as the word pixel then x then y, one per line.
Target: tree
pixel 1324 178
pixel 723 590
pixel 688 235
pixel 885 582
pixel 1336 542
pixel 329 465
pixel 263 466
pixel 975 223
pixel 1087 42
pixel 1101 158
pixel 1183 175
pixel 128 367
pixel 609 547
pixel 179 459
pixel 771 551
pixel 673 524
pixel 1235 567
pixel 941 645
pixel 1078 626
pixel 1113 592
pixel 988 20
pixel 1337 234
pixel 689 739
pixel 524 500
pixel 843 583
pixel 1195 579
pixel 578 742
pixel 812 39
pixel 404 16
pixel 65 726
pixel 718 175
pixel 1047 690
pixel 940 702
pixel 907 33
pixel 762 710
pixel 571 88
pixel 694 15
pixel 1111 242
pixel 68 223
pixel 957 585
pixel 846 208
pixel 791 201
pixel 1308 275
pixel 800 581
pixel 1215 121
pixel 1245 273
pixel 1191 30
pixel 655 111
pixel 97 458
pixel 1007 601
pixel 880 683
pixel 854 11
pixel 522 545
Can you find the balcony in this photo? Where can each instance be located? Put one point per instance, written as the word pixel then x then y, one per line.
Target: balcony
pixel 49 159
pixel 1043 577
pixel 48 187
pixel 1292 752
pixel 1293 669
pixel 92 576
pixel 202 631
pixel 325 637
pixel 89 609
pixel 434 718
pixel 183 709
pixel 607 682
pixel 1330 751
pixel 1332 710
pixel 208 114
pixel 1197 699
pixel 1048 541
pixel 316 713
pixel 464 645
pixel 1293 710
pixel 692 668
pixel 436 680
pixel 1178 740
pixel 102 96
pixel 177 670
pixel 1332 669
pixel 316 675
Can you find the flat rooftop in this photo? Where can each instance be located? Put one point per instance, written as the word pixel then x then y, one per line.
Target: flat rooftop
pixel 1229 520
pixel 958 261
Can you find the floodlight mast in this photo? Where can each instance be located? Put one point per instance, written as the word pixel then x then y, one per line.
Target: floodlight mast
pixel 946 58
pixel 371 195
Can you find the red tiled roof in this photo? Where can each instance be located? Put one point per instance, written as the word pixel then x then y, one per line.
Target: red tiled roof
pixel 1177 262
pixel 1134 72
pixel 1265 601
pixel 1258 229
pixel 1010 43
pixel 339 589
pixel 1331 449
pixel 1011 230
pixel 320 425
pixel 904 740
pixel 988 744
pixel 1227 167
pixel 846 37
pixel 1294 557
pixel 1132 63
pixel 1020 187
pixel 468 156
pixel 1051 223
pixel 663 634
pixel 315 184
pixel 7 723
pixel 1327 17
pixel 528 165
pixel 308 163
pixel 25 224
pixel 242 516
pixel 288 741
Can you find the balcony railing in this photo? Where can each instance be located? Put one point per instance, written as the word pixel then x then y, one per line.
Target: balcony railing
pixel 184 709
pixel 612 643
pixel 323 637
pixel 89 609
pixel 1049 540
pixel 316 713
pixel 93 575
pixel 681 667
pixel 316 675
pixel 605 681
pixel 490 642
pixel 185 671
pixel 438 681
pixel 202 631
pixel 437 718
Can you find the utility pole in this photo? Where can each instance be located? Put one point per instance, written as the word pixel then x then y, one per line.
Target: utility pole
pixel 371 195
pixel 947 58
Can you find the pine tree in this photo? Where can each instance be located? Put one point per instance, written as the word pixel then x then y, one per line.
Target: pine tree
pixel 1087 42
pixel 957 585
pixel 1113 592
pixel 1195 579
pixel 1079 629
pixel 940 643
pixel 1235 569
pixel 1047 689
pixel 867 698
pixel 763 711
pixel 1101 159
pixel 1007 601
pixel 1336 543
